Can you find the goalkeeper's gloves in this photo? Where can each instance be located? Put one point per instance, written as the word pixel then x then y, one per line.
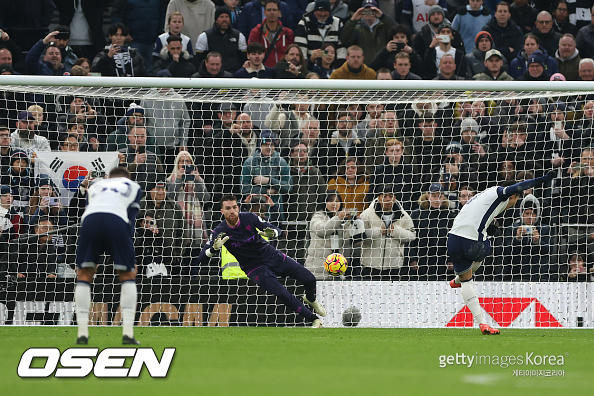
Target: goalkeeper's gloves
pixel 219 241
pixel 268 233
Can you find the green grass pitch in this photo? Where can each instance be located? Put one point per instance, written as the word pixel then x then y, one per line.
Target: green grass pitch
pixel 304 361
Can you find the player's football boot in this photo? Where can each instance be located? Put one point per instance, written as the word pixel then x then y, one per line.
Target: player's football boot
pixel 82 340
pixel 488 330
pixel 316 306
pixel 129 341
pixel 454 285
pixel 316 324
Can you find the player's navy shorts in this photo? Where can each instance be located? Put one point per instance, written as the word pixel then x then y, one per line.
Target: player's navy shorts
pixel 463 251
pixel 279 264
pixel 105 233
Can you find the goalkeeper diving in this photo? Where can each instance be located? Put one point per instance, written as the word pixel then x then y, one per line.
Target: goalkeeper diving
pixel 468 244
pixel 242 234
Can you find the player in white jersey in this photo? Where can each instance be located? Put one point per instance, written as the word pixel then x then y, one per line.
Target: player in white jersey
pixel 468 244
pixel 108 226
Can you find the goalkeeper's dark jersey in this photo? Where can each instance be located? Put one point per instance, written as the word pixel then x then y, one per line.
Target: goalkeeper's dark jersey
pixel 245 244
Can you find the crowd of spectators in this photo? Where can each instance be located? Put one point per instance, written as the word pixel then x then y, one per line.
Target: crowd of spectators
pixel 379 182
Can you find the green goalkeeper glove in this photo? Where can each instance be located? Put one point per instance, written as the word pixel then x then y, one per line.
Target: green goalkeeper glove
pixel 220 241
pixel 268 233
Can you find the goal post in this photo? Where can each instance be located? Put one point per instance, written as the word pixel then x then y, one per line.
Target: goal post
pixel 431 144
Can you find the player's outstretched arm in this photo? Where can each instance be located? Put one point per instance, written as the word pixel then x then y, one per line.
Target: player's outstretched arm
pixel 528 184
pixel 262 226
pixel 268 233
pixel 214 244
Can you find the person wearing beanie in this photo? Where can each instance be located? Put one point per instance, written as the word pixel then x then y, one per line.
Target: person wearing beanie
pixel 424 38
pixel 318 28
pixel 224 39
pixel 519 65
pixel 414 13
pixel 440 46
pixel 470 20
pixel 475 60
pixel 536 68
pixel 338 8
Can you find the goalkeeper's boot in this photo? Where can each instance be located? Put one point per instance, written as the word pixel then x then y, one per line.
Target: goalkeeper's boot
pixel 82 340
pixel 488 330
pixel 316 324
pixel 316 306
pixel 454 285
pixel 129 341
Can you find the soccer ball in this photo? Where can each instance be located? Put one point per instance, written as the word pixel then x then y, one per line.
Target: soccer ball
pixel 351 317
pixel 335 264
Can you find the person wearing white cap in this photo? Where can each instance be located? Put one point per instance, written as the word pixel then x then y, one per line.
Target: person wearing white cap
pixel 25 135
pixel 494 68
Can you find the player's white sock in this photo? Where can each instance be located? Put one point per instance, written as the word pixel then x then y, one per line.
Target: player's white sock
pixel 457 279
pixel 82 298
pixel 128 305
pixel 472 302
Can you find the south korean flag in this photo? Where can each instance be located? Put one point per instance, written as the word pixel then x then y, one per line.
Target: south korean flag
pixel 68 169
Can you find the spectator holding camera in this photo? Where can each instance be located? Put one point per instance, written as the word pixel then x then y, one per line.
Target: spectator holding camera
pixel 90 123
pixel 45 58
pixel 45 201
pixel 144 165
pixel 266 172
pixel 369 28
pixel 399 44
pixel 577 267
pixel 322 59
pixel 150 247
pixel 441 45
pixel 169 219
pixel 19 177
pixel 528 243
pixel 40 258
pixel 186 187
pixel 69 58
pixel 432 220
pixel 388 228
pixel 330 229
pixel 118 59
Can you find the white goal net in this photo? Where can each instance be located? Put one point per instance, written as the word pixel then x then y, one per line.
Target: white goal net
pixel 340 148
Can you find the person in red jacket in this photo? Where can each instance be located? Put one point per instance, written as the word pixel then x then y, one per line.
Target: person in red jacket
pixel 272 34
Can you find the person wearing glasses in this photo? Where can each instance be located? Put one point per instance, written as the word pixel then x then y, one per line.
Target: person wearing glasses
pixel 543 29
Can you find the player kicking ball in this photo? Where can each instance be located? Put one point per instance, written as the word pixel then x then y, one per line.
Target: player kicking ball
pixel 467 240
pixel 108 226
pixel 241 233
